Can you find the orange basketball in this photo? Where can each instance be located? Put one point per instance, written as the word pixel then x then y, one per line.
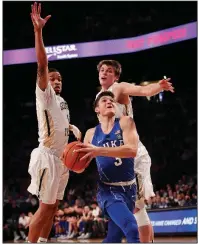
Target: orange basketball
pixel 71 159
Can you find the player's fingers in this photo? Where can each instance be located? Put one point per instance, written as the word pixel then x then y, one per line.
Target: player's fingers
pixel 80 136
pixel 88 155
pixel 32 11
pixel 83 150
pixel 172 90
pixel 83 145
pixel 39 9
pixel 79 144
pixel 47 18
pixel 35 8
pixel 33 20
pixel 78 150
pixel 88 162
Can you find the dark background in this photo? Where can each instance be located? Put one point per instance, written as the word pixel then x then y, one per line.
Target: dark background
pixel 168 129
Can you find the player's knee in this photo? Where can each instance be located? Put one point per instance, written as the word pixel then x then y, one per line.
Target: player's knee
pixel 48 209
pixel 145 234
pixel 142 218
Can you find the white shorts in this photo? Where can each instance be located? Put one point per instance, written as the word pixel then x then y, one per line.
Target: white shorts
pixel 143 177
pixel 49 176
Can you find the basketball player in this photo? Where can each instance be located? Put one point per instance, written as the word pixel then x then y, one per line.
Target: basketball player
pixel 114 144
pixel 49 176
pixel 109 73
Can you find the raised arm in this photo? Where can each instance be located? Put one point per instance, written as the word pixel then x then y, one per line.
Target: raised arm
pixel 148 90
pixel 42 61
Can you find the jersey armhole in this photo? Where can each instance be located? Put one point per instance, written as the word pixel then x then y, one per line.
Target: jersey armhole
pixel 44 97
pixel 93 138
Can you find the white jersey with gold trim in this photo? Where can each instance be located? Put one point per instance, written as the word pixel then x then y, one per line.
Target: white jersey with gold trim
pixel 53 119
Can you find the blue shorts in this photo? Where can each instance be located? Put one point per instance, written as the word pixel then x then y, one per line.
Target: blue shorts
pixel 107 195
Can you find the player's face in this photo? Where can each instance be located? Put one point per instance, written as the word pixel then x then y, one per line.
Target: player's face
pixel 106 106
pixel 107 75
pixel 56 81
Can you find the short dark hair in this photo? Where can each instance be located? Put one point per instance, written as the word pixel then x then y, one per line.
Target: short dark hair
pixel 105 93
pixel 52 70
pixel 114 63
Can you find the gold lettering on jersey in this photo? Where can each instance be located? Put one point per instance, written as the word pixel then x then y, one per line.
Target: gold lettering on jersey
pixel 63 105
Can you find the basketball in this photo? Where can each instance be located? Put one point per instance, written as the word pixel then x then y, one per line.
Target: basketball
pixel 71 159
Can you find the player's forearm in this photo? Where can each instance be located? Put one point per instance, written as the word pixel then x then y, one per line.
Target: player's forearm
pixel 40 49
pixel 152 89
pixel 124 151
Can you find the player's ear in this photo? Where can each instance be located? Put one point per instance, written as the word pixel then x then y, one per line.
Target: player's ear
pixel 97 110
pixel 116 78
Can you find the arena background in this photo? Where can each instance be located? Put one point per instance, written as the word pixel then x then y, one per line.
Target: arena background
pixel 167 124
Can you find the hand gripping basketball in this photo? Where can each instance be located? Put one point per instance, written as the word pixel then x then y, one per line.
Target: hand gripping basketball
pixel 71 158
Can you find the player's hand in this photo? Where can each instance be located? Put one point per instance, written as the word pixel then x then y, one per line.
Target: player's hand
pixel 37 21
pixel 77 133
pixel 90 149
pixel 166 85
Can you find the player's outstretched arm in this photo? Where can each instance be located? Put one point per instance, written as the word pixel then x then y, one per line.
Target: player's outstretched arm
pixel 129 149
pixel 42 61
pixel 148 90
pixel 77 133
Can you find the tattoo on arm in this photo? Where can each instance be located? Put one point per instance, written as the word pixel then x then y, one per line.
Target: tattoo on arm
pixel 40 73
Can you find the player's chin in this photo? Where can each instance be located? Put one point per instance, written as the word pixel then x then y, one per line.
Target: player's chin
pixel 110 113
pixel 57 90
pixel 102 82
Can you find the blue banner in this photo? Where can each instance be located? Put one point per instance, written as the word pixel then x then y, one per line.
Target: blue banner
pixel 174 221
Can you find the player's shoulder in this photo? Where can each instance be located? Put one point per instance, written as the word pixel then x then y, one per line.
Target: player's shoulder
pixel 118 87
pixel 126 121
pixel 90 131
pixel 89 135
pixel 44 95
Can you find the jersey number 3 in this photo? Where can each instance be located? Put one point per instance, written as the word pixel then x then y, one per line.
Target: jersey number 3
pixel 118 161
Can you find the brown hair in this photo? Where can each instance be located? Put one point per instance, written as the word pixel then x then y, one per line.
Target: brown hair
pixel 114 63
pixel 104 93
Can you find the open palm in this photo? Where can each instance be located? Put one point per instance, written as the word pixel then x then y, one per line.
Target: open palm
pixel 37 21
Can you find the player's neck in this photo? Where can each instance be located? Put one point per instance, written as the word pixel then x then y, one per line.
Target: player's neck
pixel 106 87
pixel 107 123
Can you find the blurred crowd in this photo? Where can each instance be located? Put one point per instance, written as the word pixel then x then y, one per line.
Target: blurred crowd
pixel 183 194
pixel 79 215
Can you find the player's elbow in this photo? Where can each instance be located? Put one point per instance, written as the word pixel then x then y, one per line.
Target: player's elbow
pixel 132 149
pixel 134 153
